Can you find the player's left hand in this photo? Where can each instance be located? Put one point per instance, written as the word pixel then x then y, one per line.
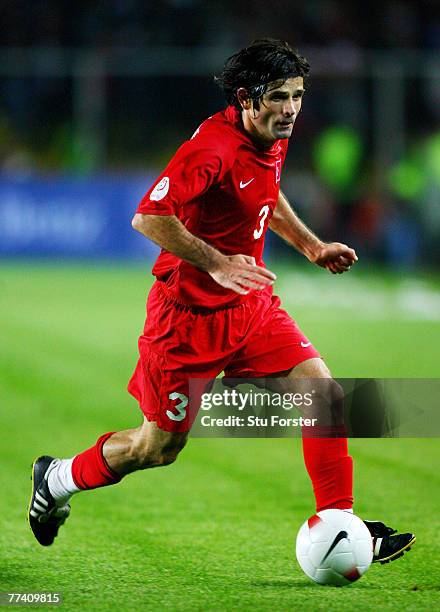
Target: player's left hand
pixel 335 257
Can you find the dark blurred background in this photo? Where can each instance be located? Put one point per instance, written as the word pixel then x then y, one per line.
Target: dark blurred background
pixel 95 96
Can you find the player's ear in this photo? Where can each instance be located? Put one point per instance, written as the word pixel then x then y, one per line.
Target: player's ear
pixel 243 98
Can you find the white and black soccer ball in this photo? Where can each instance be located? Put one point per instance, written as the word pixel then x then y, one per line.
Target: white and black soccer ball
pixel 334 547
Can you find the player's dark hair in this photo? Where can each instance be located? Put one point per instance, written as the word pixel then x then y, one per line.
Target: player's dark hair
pixel 264 61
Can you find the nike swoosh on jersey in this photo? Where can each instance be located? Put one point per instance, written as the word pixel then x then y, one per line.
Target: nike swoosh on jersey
pixel 342 535
pixel 243 185
pixel 305 344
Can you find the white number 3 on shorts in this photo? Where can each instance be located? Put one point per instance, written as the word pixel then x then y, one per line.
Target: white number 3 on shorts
pixel 180 406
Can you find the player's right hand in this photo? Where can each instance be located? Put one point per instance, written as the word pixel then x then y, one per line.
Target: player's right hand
pixel 241 274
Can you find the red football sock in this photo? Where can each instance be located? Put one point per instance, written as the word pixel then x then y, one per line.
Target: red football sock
pixel 330 468
pixel 90 469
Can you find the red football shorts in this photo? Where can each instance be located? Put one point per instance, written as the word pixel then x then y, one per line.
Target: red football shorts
pixel 250 340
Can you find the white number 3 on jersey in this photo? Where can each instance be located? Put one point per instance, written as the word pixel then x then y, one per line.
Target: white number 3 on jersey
pixel 180 406
pixel 262 215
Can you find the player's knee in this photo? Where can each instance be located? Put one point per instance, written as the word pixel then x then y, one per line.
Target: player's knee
pixel 330 387
pixel 336 391
pixel 328 401
pixel 335 394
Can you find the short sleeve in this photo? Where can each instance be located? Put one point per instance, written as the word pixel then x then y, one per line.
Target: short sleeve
pixel 193 169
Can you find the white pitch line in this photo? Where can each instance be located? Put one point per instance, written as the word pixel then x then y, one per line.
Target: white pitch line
pixel 370 298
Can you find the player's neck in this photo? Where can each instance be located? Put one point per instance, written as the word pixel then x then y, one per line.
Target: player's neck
pixel 257 138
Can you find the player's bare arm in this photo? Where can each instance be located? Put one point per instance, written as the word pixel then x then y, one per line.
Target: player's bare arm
pixel 335 256
pixel 237 272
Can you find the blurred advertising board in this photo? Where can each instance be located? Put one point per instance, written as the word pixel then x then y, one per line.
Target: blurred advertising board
pixel 65 217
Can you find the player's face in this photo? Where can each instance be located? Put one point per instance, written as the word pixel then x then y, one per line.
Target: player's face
pixel 278 111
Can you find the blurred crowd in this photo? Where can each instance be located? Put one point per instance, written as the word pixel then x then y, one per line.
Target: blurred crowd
pixel 390 213
pixel 374 24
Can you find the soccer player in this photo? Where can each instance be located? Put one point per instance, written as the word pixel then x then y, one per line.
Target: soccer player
pixel 212 307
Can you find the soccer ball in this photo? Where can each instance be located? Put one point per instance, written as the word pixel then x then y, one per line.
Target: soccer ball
pixel 334 547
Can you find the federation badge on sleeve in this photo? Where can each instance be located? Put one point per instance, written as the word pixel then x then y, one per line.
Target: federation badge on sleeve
pixel 161 189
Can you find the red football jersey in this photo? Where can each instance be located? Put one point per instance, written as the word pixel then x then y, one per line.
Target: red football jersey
pixel 224 189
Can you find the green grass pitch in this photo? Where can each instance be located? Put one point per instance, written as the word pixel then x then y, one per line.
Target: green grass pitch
pixel 216 530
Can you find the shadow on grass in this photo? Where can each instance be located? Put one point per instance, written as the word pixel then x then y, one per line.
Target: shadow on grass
pixel 291 583
pixel 287 583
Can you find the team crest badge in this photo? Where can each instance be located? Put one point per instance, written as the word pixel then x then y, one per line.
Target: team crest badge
pixel 277 170
pixel 161 189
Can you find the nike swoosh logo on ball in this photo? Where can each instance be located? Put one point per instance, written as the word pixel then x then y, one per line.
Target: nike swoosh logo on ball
pixel 342 535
